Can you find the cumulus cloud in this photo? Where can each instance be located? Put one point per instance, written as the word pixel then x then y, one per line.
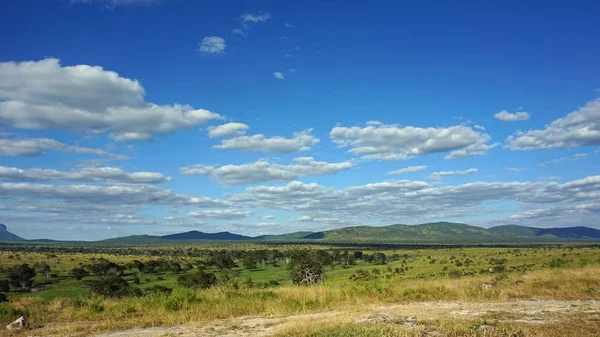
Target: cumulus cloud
pixel 213 45
pixel 85 99
pixel 279 75
pixel 227 130
pixel 392 142
pixel 111 174
pixel 445 174
pixel 263 170
pixel 506 116
pixel 30 147
pixel 409 169
pixel 579 128
pixel 301 141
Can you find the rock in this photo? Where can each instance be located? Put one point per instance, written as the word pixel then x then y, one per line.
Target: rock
pixel 487 286
pixel 484 328
pixel 19 324
pixel 518 282
pixel 408 321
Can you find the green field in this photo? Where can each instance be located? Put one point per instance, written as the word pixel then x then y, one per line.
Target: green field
pixel 407 274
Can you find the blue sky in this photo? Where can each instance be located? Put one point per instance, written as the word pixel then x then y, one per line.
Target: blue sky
pixel 122 117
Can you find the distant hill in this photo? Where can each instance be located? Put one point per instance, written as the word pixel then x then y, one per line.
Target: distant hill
pixel 513 231
pixel 288 236
pixel 197 235
pixel 5 235
pixel 428 232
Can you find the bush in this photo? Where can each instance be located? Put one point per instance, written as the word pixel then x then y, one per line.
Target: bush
pixel 157 289
pixel 112 286
pixel 8 314
pixel 96 306
pixel 199 279
pixel 3 298
pixel 456 274
pixel 79 273
pixel 4 286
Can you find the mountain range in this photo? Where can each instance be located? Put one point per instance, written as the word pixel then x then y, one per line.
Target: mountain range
pixel 432 233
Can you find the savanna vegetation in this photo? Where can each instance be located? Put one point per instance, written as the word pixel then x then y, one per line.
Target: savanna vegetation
pixel 117 287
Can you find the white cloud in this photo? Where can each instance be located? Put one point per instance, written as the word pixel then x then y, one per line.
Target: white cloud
pixel 213 45
pixel 514 169
pixel 506 116
pixel 227 130
pixel 301 141
pixel 288 25
pixel 220 214
pixel 268 217
pixel 111 174
pixel 392 142
pixel 563 160
pixel 444 174
pixel 409 169
pixel 251 18
pixel 31 147
pixel 238 31
pixel 579 128
pixel 279 75
pixel 263 170
pixel 124 194
pixel 85 99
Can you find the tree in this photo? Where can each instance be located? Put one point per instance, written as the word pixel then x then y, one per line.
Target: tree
pixel 79 273
pixel 21 276
pixel 305 268
pixel 4 286
pixel 43 269
pixel 3 298
pixel 250 261
pixel 199 279
pixel 112 286
pixel 378 258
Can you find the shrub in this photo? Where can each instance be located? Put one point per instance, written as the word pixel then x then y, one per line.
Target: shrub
pixel 199 279
pixel 96 306
pixel 157 289
pixel 3 298
pixel 79 273
pixel 112 286
pixel 4 286
pixel 456 274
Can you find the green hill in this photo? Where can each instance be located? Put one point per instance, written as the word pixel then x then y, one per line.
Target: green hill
pixel 428 232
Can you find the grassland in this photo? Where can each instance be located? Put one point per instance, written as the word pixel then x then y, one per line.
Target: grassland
pixel 409 276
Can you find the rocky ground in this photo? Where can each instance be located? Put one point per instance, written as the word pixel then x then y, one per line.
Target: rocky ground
pixel 409 315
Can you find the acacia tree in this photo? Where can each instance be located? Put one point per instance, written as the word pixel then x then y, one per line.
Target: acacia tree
pixel 306 268
pixel 21 276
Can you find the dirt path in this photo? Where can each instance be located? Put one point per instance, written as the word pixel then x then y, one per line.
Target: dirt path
pixel 523 311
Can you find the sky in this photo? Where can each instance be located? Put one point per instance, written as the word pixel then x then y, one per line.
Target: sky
pixel 122 117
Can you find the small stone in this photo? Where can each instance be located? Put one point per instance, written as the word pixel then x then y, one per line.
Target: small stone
pixel 19 324
pixel 484 328
pixel 487 286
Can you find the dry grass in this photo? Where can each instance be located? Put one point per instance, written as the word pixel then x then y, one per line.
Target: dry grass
pixel 64 316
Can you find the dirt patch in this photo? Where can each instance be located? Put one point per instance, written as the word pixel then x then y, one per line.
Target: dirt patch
pixel 522 311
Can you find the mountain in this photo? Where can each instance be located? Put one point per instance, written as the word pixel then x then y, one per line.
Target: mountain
pixel 288 236
pixel 5 235
pixel 196 235
pixel 513 231
pixel 428 232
